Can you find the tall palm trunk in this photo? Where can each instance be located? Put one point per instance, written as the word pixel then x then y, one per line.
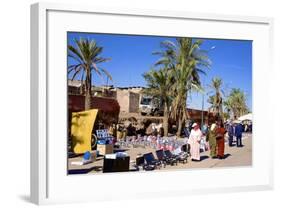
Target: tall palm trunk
pixel 181 121
pixel 166 119
pixel 88 92
pixel 181 117
pixel 182 111
pixel 221 113
pixel 180 124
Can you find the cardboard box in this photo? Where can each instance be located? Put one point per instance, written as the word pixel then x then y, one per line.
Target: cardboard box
pixel 93 155
pixel 105 149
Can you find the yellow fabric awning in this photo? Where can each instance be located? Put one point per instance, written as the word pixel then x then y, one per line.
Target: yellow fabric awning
pixel 81 130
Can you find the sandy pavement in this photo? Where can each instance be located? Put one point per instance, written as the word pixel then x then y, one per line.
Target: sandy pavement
pixel 234 156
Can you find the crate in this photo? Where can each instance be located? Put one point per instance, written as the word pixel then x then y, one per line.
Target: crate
pixel 104 149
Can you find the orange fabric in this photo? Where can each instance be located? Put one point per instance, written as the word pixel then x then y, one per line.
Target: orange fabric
pixel 220 144
pixel 220 141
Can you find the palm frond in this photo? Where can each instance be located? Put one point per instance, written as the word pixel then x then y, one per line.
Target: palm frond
pixel 78 70
pixel 106 73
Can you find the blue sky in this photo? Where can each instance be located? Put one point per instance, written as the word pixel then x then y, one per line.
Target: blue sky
pixel 131 56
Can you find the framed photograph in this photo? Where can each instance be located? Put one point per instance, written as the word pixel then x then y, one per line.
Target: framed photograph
pixel 135 103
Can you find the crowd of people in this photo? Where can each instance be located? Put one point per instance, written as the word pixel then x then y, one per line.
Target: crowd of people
pixel 213 137
pixel 210 135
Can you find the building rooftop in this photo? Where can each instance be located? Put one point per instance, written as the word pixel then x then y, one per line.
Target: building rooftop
pixel 127 88
pixel 74 83
pixel 77 83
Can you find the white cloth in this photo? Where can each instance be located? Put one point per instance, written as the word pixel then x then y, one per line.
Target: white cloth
pixel 194 141
pixel 213 126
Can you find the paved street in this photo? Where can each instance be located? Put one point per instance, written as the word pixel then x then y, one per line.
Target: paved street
pixel 234 156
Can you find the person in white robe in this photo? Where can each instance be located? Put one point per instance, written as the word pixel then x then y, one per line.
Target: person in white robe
pixel 194 142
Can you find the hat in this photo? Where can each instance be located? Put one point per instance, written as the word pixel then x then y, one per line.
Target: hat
pixel 237 122
pixel 194 124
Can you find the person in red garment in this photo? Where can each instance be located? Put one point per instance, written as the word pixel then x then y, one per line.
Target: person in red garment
pixel 220 139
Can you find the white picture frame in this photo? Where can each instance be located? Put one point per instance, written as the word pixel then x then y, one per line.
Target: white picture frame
pixel 49 181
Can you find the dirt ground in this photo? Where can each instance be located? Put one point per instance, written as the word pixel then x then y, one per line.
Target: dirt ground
pixel 234 156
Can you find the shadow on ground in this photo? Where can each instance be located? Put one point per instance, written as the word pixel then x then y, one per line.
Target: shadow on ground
pixel 120 150
pixel 84 171
pixel 227 155
pixel 204 157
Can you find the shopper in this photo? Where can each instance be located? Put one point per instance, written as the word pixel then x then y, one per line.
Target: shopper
pixel 212 140
pixel 238 134
pixel 220 139
pixel 194 142
pixel 230 131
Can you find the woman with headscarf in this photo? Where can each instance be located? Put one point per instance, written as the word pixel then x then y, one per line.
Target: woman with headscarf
pixel 212 140
pixel 194 142
pixel 220 139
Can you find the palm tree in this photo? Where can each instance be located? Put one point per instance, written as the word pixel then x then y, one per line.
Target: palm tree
pixel 227 107
pixel 185 59
pixel 86 54
pixel 236 102
pixel 216 100
pixel 159 83
pixel 211 100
